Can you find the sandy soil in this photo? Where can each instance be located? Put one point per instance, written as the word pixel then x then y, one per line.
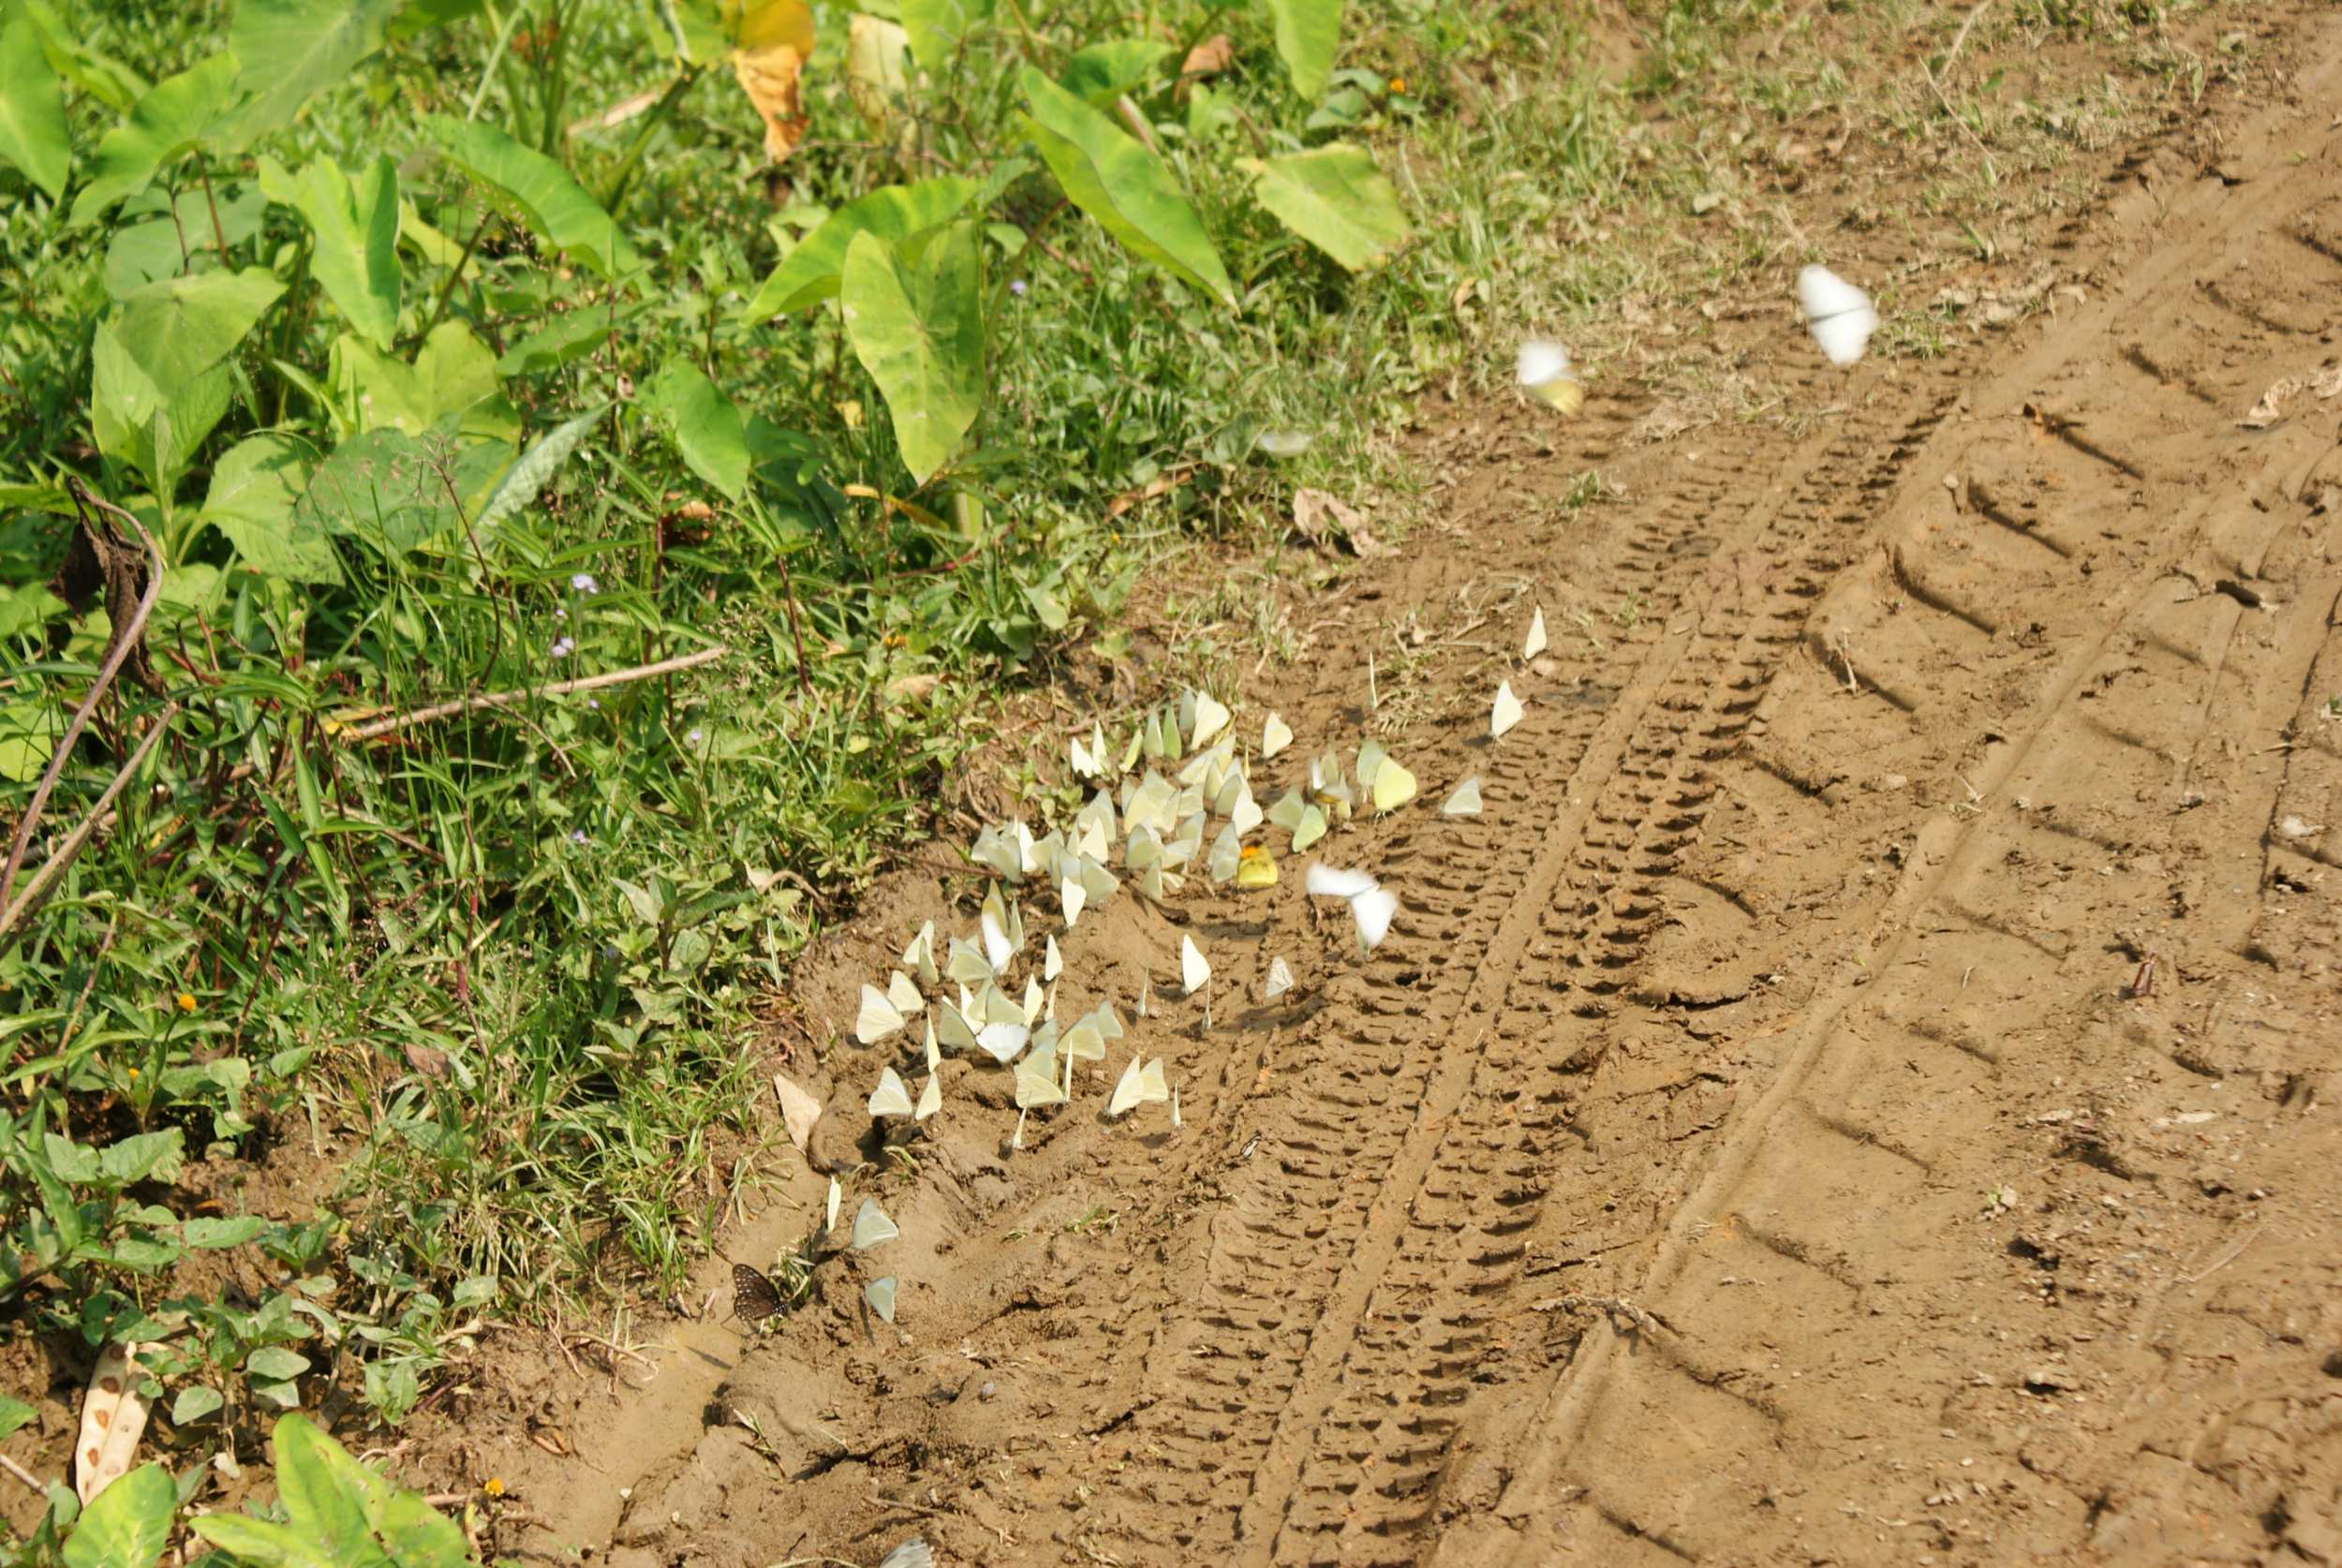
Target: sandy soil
pixel 1864 1091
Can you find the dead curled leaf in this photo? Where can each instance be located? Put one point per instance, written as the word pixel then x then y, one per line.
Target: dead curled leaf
pixel 771 41
pixel 799 1109
pixel 1324 518
pixel 1162 484
pixel 1209 58
pixel 2325 381
pixel 113 1414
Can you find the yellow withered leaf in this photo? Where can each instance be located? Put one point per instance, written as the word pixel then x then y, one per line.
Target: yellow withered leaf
pixel 771 41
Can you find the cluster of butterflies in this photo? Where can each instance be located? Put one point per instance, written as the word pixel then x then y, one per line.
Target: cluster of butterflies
pixel 965 997
pixel 1840 316
pixel 756 1297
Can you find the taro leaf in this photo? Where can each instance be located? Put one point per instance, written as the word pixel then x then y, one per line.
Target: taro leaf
pixel 1104 71
pixel 388 488
pixel 916 323
pixel 569 336
pixel 1125 187
pixel 705 424
pixel 32 107
pixel 938 26
pixel 177 114
pixel 1335 198
pixel 179 328
pixel 138 422
pixel 14 1414
pixel 102 77
pixel 453 376
pixel 156 249
pixel 126 1525
pixel 809 273
pixel 527 477
pixel 547 199
pixel 337 1510
pixel 1309 32
pixel 254 486
pixel 292 48
pixel 355 223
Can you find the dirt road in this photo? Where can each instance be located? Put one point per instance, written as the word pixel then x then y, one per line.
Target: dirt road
pixel 1864 1091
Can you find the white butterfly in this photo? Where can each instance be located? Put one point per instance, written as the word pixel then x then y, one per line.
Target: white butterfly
pixel 1534 644
pixel 1466 802
pixel 871 1227
pixel 1371 906
pixel 1052 962
pixel 883 1012
pixel 1275 735
pixel 880 1294
pixel 1205 716
pixel 1139 1085
pixel 1194 974
pixel 1280 980
pixel 890 1099
pixel 1507 712
pixel 1839 315
pixel 930 1097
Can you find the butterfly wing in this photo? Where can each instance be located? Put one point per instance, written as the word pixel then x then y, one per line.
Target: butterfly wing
pixel 754 1297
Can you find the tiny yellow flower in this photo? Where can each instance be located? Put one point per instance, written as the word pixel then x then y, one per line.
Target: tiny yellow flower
pixel 1398 83
pixel 134 1075
pixel 494 1486
pixel 187 1002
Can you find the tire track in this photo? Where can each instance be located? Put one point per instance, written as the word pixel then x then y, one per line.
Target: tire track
pixel 2060 746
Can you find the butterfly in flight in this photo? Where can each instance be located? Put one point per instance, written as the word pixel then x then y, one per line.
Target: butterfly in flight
pixel 754 1296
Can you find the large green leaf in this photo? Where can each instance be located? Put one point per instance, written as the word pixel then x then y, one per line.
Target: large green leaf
pixel 292 48
pixel 355 223
pixel 937 27
pixel 1121 185
pixel 101 76
pixel 180 327
pixel 809 273
pixel 1335 198
pixel 126 1525
pixel 454 374
pixel 32 105
pixel 916 323
pixel 705 426
pixel 255 485
pixel 153 428
pixel 142 250
pixel 396 491
pixel 551 202
pixel 1309 32
pixel 179 113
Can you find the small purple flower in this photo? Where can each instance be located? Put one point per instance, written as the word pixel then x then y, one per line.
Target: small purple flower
pixel 559 614
pixel 564 647
pixel 610 951
pixel 583 582
pixel 577 835
pixel 691 739
pixel 594 702
pixel 1016 287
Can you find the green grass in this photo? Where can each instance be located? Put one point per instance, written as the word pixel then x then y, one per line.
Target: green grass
pixel 493 980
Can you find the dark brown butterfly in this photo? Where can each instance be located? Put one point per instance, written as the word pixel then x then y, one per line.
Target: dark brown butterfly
pixel 754 1296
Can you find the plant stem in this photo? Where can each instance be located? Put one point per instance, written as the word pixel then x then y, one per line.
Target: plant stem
pixel 219 232
pixel 455 273
pixel 624 174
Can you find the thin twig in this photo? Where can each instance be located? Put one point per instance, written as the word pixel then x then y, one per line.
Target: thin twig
pixel 377 727
pixel 23 1475
pixel 37 886
pixel 125 639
